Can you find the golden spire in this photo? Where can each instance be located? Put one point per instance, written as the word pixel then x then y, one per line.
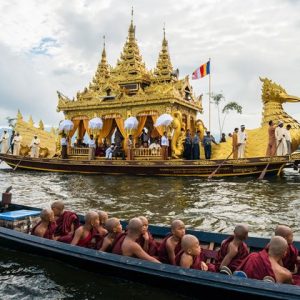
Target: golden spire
pixel 130 66
pixel 164 66
pixel 102 72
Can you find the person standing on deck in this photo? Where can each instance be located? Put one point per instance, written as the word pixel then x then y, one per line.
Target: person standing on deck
pixel 207 140
pixel 92 147
pixel 280 139
pixel 288 139
pixel 164 146
pixel 16 142
pixel 35 147
pixel 196 147
pixel 241 141
pixel 235 143
pixel 64 147
pixel 11 141
pixel 5 142
pixel 188 146
pixel 130 148
pixel 271 150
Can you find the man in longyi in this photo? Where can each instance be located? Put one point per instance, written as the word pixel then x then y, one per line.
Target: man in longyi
pixel 46 227
pixel 280 139
pixel 130 147
pixel 128 246
pixel 35 147
pixel 235 143
pixel 67 221
pixel 164 146
pixel 271 149
pixel 241 142
pixel 17 144
pixel 4 142
pixel 288 139
pixel 258 265
pixel 233 250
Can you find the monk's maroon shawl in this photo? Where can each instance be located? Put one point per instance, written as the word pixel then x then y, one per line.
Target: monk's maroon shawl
pixel 243 252
pixel 153 246
pixel 290 260
pixel 48 233
pixel 257 265
pixel 64 223
pixel 117 244
pixel 162 250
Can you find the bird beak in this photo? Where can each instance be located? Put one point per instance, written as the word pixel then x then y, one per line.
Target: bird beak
pixel 289 98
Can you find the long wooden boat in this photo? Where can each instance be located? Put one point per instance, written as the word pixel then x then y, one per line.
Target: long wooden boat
pixel 201 168
pixel 187 281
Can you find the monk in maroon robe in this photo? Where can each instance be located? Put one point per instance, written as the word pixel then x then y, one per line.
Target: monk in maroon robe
pixel 46 227
pixel 114 233
pixel 258 265
pixel 190 256
pixel 127 244
pixel 271 149
pixel 84 234
pixel 233 250
pixel 67 222
pixel 146 240
pixel 171 244
pixel 99 232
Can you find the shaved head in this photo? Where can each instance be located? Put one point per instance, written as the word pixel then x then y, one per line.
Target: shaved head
pixel 103 216
pixel 58 204
pixel 241 231
pixel 176 223
pixel 143 219
pixel 135 226
pixel 46 214
pixel 188 241
pixel 283 230
pixel 111 224
pixel 90 217
pixel 278 246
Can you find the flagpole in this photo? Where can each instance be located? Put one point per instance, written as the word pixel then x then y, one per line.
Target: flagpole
pixel 209 98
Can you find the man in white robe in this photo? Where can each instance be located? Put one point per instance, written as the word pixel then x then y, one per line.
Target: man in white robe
pixel 241 142
pixel 4 142
pixel 35 147
pixel 17 144
pixel 280 139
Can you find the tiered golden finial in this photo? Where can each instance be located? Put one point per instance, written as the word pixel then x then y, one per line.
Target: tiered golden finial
pixel 103 71
pixel 164 67
pixel 130 66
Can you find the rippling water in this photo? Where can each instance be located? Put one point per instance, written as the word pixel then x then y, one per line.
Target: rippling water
pixel 215 205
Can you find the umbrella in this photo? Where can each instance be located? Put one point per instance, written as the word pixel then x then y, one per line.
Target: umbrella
pixel 131 123
pixel 66 125
pixel 96 123
pixel 163 120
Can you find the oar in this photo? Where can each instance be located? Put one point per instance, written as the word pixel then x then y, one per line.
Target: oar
pixel 264 171
pixel 19 162
pixel 219 166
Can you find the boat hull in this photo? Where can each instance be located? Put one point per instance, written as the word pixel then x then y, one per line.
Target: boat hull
pixel 200 168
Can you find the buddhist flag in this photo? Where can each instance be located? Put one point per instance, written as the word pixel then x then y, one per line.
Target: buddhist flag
pixel 201 71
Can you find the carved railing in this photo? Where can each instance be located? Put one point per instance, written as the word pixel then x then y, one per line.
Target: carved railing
pixel 146 152
pixel 78 151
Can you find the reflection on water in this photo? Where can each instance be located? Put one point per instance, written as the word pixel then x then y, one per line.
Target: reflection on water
pixel 215 205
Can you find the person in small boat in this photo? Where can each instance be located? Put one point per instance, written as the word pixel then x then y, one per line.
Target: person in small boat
pixel 128 246
pixel 114 232
pixel 271 149
pixel 233 250
pixel 16 142
pixel 171 244
pixel 84 234
pixel 35 147
pixel 146 240
pixel 46 227
pixel 290 260
pixel 258 265
pixel 190 255
pixel 66 221
pixel 99 232
pixel 235 143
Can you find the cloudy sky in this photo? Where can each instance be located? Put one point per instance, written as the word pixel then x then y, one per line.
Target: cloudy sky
pixel 52 45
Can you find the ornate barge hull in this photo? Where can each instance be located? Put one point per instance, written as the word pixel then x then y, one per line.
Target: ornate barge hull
pixel 199 168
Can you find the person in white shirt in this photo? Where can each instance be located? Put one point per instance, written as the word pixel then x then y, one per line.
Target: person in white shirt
pixel 154 147
pixel 4 142
pixel 109 151
pixel 92 147
pixel 241 142
pixel 288 139
pixel 17 144
pixel 164 146
pixel 35 147
pixel 280 133
pixel 130 148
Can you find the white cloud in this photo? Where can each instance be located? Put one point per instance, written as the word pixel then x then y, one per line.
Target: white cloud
pixel 56 45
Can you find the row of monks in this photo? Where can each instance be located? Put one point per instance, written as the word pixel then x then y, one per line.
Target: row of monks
pixel 277 262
